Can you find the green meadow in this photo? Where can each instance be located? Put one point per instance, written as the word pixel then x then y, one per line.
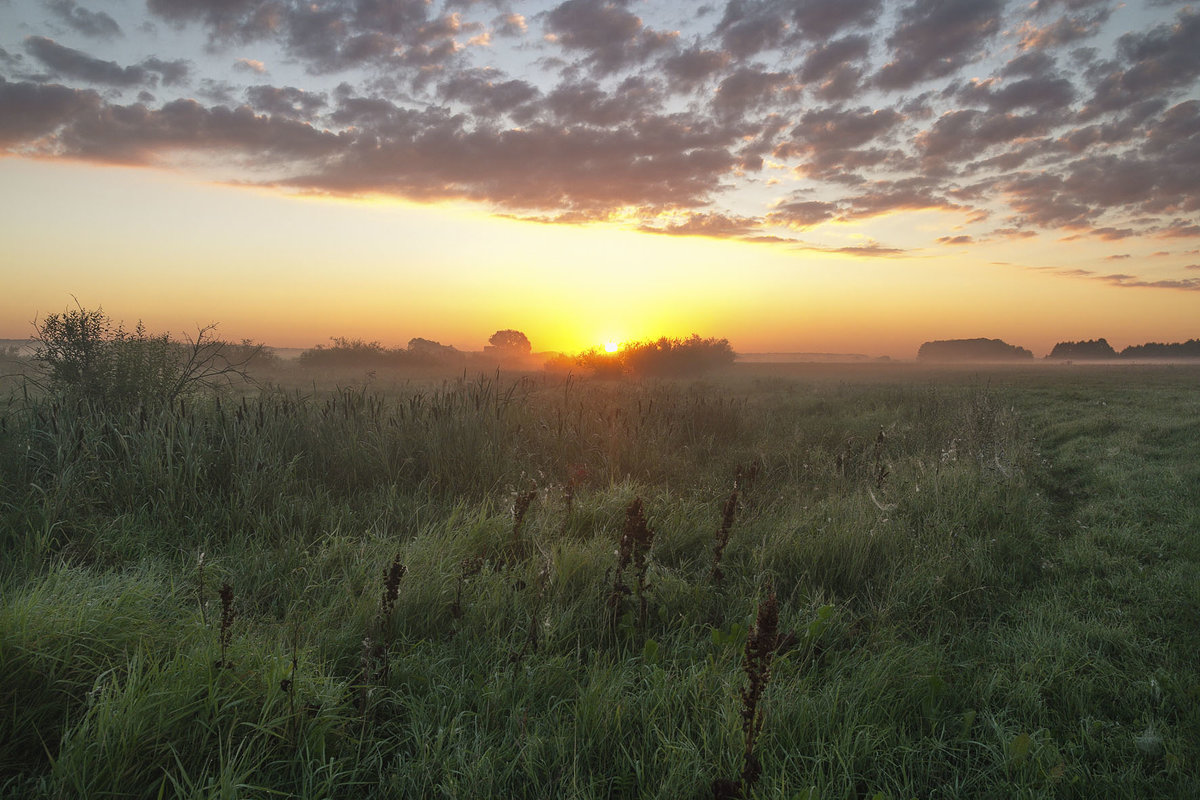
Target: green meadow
pixel 881 581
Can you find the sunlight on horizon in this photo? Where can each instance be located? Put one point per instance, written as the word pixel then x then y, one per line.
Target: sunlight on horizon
pixel 293 272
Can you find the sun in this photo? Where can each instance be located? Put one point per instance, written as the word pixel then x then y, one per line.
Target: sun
pixel 612 347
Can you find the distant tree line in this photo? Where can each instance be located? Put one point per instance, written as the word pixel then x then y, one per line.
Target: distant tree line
pixel 344 352
pixel 972 350
pixel 508 346
pixel 1090 349
pixel 1100 349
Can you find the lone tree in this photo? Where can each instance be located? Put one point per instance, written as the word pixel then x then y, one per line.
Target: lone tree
pixel 508 343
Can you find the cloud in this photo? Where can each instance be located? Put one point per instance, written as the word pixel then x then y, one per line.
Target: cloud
pixel 392 17
pixel 76 64
pixel 749 27
pixel 831 141
pixel 96 24
pixel 237 21
pixel 1180 229
pixel 433 154
pixel 695 65
pixel 286 101
pixel 715 225
pixel 31 111
pixel 870 250
pixel 486 92
pixel 936 37
pixel 511 25
pixel 1013 233
pixel 330 37
pixel 1037 93
pixel 956 240
pixel 9 60
pixel 586 103
pixel 1132 281
pixel 1152 63
pixel 835 69
pixel 172 73
pixel 754 113
pixel 612 37
pixel 746 89
pixel 838 129
pixel 54 120
pixel 1064 30
pixel 1110 234
pixel 1042 6
pixel 802 214
pixel 821 19
pixel 250 65
pixel 906 194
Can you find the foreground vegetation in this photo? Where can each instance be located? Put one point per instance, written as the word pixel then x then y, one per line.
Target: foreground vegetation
pixel 985 586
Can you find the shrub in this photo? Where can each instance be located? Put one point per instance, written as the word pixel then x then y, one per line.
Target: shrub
pixel 84 355
pixel 662 358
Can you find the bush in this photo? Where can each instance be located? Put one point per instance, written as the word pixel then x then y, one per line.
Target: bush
pixel 84 355
pixel 660 358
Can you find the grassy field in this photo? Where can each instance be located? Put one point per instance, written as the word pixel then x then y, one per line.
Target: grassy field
pixel 987 584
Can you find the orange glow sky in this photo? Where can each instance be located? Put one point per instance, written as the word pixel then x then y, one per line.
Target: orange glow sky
pixel 822 188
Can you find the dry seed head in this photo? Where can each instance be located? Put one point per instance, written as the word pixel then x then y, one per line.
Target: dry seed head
pixel 636 538
pixel 391 587
pixel 761 645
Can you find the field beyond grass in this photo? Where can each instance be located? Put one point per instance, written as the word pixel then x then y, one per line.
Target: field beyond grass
pixel 987 586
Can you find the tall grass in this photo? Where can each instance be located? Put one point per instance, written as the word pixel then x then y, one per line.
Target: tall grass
pixel 932 632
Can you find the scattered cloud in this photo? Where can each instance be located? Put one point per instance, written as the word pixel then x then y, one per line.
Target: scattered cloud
pixel 720 226
pixel 748 119
pixel 1132 281
pixel 97 24
pixel 937 37
pixel 71 63
pixel 250 65
pixel 610 36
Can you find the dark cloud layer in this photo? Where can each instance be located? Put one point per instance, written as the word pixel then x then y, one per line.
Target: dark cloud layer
pixel 761 119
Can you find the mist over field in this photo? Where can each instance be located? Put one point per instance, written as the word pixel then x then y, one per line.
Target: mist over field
pixel 229 576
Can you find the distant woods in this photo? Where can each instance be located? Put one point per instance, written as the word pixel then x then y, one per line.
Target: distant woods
pixel 343 352
pixel 1090 349
pixel 972 350
pixel 1188 349
pixel 509 348
pixel 663 357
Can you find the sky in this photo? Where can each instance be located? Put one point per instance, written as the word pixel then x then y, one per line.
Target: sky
pixel 839 176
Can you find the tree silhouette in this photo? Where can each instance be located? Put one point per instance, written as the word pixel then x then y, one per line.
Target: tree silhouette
pixel 509 342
